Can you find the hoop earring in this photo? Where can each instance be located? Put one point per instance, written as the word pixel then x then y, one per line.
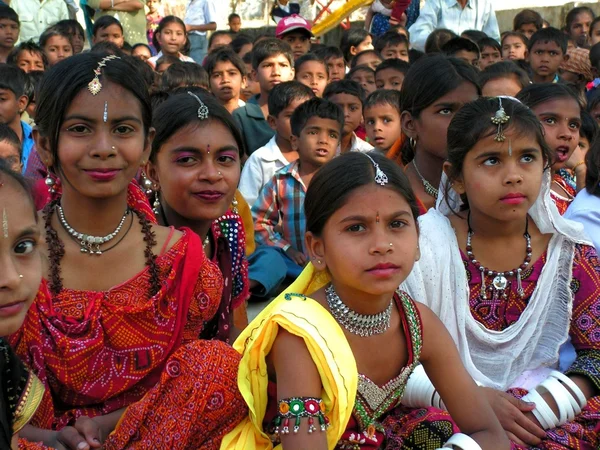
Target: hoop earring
pixel 413 143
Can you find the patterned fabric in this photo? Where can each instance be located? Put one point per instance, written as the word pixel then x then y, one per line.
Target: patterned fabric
pixel 279 210
pixel 379 24
pixel 70 342
pixel 562 201
pixel 568 177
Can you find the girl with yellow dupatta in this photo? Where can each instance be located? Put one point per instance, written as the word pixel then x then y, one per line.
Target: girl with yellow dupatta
pixel 330 371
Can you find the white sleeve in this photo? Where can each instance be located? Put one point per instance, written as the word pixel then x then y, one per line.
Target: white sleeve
pixel 490 27
pixel 590 219
pixel 251 181
pixel 211 13
pixel 425 24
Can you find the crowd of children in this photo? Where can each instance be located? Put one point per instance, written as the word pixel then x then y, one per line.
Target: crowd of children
pixel 425 221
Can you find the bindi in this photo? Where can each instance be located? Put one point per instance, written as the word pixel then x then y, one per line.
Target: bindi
pixel 4 223
pixel 105 114
pixel 377 217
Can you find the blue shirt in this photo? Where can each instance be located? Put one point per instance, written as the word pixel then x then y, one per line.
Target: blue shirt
pixel 26 145
pixel 585 209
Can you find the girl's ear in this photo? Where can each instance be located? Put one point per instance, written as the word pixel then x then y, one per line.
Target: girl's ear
pixel 456 183
pixel 42 144
pixel 294 142
pixel 353 51
pixel 152 174
pixel 408 124
pixel 526 54
pixel 147 146
pixel 316 250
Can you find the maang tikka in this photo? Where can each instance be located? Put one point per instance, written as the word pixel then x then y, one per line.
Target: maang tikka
pixel 95 86
pixel 202 109
pixel 500 118
pixel 380 177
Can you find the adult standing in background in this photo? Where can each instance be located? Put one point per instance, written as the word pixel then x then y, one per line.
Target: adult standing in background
pixel 37 15
pixel 200 16
pixel 130 13
pixel 454 15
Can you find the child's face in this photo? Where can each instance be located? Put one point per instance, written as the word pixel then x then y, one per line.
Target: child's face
pixel 11 107
pixel 595 34
pixel 399 51
pixel 273 70
pixel 21 272
pixel 513 48
pixel 220 40
pixel 78 41
pixel 161 68
pixel 318 141
pixel 198 170
pixel 29 61
pixel 546 58
pixel 502 86
pixel 370 60
pixel 468 57
pixel 528 29
pixel 299 41
pixel 246 48
pixel 142 53
pixel 487 180
pixel 112 34
pixel 595 112
pixel 382 124
pixel 489 56
pixel 10 155
pixel 152 6
pixel 235 24
pixel 389 79
pixel 226 81
pixel 252 87
pixel 375 225
pixel 314 75
pixel 9 33
pixel 57 48
pixel 366 44
pixel 336 68
pixel 352 108
pixel 584 144
pixel 281 123
pixel 580 28
pixel 365 79
pixel 171 39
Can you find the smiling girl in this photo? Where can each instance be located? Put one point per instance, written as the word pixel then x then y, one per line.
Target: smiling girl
pixel 169 39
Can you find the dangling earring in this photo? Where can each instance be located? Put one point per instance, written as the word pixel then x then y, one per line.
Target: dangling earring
pixel 51 183
pixel 234 205
pixel 412 142
pixel 156 204
pixel 147 183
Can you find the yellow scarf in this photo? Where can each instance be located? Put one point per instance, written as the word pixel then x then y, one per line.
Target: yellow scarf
pixel 327 345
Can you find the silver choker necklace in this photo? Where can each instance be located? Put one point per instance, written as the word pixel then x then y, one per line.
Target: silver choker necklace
pixel 360 324
pixel 88 243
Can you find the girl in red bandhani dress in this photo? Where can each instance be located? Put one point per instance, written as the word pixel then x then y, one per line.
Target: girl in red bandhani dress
pixel 113 332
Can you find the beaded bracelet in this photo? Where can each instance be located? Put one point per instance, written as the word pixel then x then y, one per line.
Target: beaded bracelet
pixel 296 408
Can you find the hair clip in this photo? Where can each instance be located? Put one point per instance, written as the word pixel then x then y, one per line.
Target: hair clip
pixel 203 109
pixel 500 118
pixel 95 86
pixel 380 177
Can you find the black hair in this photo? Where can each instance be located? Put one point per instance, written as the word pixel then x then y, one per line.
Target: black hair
pixel 167 59
pixel 589 128
pixel 104 22
pixel 345 87
pixel 593 24
pixel 285 93
pixel 489 42
pixel 224 54
pixel 315 107
pixel 107 47
pixel 7 13
pixel 157 98
pixel 516 34
pixel 307 57
pixel 269 47
pixel 127 48
pixel 397 28
pixel 414 55
pixel 354 61
pixel 331 186
pixel 13 79
pixel 32 83
pixel 29 46
pixel 383 97
pixel 352 38
pixel 592 162
pixel 549 35
pixel 71 26
pixel 145 71
pixel 233 16
pixel 436 40
pixel 475 117
pixel 453 46
pixel 146 46
pixel 7 174
pixel 329 52
pixel 390 38
pixel 64 81
pixel 504 69
pixel 217 34
pixel 572 15
pixel 7 134
pixel 359 69
pixel 595 56
pixel 393 63
pixel 238 43
pixel 247 58
pixel 167 20
pixel 316 46
pixel 593 100
pixel 536 94
pixel 54 31
pixel 527 16
pixel 474 35
pixel 181 110
pixel 184 74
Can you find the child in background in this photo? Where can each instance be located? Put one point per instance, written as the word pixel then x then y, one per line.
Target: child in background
pixel 10 148
pixel 56 45
pixel 593 105
pixel 491 52
pixel 381 111
pixel 547 51
pixel 588 132
pixel 365 76
pixel 577 69
pixel 28 56
pixel 219 38
pixel 473 35
pixel 503 79
pixel 252 88
pixel 283 8
pixel 377 20
pixel 514 46
pixel 169 39
pixel 183 74
pixel 74 29
pixel 369 58
pixel 355 41
pixel 528 22
pixel 164 62
pixel 390 74
pixel 235 23
pixel 463 49
pixel 32 83
pixel 334 59
pixel 311 71
pixel 392 45
pixel 272 63
pixel 227 77
pixel 436 40
pixel 153 19
pixel 242 45
pixel 279 210
pixel 141 51
pixel 107 28
pixel 9 31
pixel 594 32
pixel 349 96
pixel 278 153
pixel 297 32
pixel 578 23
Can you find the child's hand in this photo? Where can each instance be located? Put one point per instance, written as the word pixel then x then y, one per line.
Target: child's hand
pixel 84 435
pixel 296 256
pixel 576 157
pixel 510 411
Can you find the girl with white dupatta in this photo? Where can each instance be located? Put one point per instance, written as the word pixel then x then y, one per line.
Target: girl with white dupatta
pixel 512 280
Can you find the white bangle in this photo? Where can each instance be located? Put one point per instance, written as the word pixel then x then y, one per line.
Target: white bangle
pixel 462 441
pixel 112 4
pixel 575 390
pixel 542 411
pixel 561 397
